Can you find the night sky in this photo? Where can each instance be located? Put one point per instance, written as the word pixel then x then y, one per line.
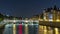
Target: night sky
pixel 26 8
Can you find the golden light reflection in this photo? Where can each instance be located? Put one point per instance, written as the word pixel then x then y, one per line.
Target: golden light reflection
pixel 56 31
pixel 41 29
pixel 26 28
pixel 45 30
pixel 14 29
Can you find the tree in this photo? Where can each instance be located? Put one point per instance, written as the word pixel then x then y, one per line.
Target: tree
pixel 1 17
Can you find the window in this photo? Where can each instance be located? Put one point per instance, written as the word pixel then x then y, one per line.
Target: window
pixel 50 16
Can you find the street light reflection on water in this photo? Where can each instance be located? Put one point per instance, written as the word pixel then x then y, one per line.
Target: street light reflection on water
pixel 29 27
pixel 14 29
pixel 48 30
pixel 41 29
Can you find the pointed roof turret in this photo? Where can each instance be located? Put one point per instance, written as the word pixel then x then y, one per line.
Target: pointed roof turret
pixel 55 8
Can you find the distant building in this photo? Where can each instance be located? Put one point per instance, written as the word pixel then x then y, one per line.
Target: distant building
pixel 49 14
pixel 52 14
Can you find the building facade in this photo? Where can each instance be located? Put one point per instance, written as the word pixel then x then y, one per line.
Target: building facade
pixel 48 15
pixel 52 14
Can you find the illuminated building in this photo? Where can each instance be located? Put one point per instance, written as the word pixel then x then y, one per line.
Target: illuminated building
pixel 52 14
pixel 48 15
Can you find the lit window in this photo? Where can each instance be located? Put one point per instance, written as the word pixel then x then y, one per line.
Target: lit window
pixel 50 17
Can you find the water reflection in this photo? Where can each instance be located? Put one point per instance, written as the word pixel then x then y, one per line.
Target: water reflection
pixel 48 30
